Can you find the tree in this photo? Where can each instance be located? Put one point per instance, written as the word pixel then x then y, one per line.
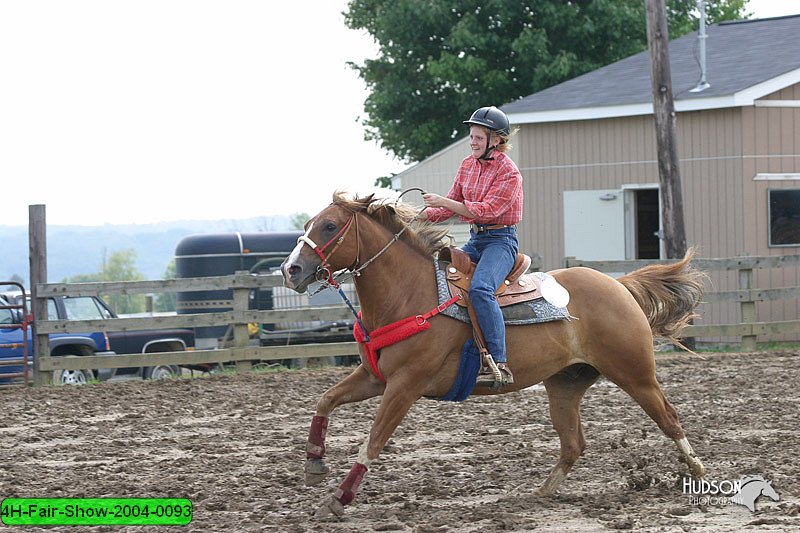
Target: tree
pixel 439 61
pixel 167 301
pixel 298 220
pixel 384 182
pixel 119 266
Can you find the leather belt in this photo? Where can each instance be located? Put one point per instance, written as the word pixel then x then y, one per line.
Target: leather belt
pixel 477 228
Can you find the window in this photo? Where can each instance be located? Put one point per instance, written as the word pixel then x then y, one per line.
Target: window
pixel 83 308
pixel 52 312
pixel 784 217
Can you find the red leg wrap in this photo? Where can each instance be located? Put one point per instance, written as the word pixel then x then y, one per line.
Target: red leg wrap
pixel 315 447
pixel 347 490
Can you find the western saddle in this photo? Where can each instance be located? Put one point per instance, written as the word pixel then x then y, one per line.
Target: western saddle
pixel 517 287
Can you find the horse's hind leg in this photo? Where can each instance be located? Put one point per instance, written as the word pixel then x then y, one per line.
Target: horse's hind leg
pixel 358 386
pixel 565 391
pixel 648 394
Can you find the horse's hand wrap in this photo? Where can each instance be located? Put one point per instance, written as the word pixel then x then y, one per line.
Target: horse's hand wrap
pixel 315 446
pixel 347 490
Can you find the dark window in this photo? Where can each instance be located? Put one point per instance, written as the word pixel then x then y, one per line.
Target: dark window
pixel 784 217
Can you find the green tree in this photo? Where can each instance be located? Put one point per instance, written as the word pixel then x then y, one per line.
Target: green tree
pixel 298 220
pixel 167 301
pixel 439 61
pixel 384 182
pixel 119 266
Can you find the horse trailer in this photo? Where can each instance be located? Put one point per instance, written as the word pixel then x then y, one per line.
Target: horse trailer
pixel 222 254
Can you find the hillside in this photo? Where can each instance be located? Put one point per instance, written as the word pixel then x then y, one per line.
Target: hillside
pixel 73 250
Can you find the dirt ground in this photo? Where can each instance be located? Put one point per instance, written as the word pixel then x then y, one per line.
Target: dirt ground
pixel 234 445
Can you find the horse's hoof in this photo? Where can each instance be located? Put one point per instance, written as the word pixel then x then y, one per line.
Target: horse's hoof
pixel 316 470
pixel 698 470
pixel 543 492
pixel 330 507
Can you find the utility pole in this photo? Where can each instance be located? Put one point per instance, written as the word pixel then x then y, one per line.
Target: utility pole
pixel 666 142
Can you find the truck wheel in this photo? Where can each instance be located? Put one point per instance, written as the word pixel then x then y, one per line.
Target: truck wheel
pixel 162 372
pixel 72 377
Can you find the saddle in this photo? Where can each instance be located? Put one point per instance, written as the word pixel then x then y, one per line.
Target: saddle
pixel 517 287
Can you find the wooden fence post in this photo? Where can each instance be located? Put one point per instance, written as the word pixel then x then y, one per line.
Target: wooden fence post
pixel 748 308
pixel 241 299
pixel 37 253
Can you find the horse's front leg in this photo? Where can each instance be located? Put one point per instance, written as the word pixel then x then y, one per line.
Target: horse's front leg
pixel 397 400
pixel 358 386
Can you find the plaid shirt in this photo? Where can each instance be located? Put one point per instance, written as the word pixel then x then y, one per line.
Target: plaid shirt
pixel 492 191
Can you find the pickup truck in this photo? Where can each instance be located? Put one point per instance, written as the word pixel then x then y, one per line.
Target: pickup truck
pixel 99 343
pixel 13 340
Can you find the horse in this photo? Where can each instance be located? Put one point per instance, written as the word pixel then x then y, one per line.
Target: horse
pixel 389 255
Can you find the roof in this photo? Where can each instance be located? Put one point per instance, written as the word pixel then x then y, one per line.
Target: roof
pixel 745 60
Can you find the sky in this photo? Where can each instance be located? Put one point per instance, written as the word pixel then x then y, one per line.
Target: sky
pixel 138 112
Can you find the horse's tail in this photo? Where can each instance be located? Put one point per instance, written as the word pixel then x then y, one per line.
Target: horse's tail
pixel 668 295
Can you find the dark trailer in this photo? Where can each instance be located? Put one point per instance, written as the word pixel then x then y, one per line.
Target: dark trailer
pixel 221 254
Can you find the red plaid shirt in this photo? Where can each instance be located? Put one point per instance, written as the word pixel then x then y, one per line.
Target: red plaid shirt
pixel 492 191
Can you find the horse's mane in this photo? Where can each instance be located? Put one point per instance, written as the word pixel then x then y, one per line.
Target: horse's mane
pixel 394 216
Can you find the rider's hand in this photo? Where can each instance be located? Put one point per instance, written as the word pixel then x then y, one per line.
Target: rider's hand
pixel 433 200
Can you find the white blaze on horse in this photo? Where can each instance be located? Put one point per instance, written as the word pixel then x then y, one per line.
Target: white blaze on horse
pixel 390 256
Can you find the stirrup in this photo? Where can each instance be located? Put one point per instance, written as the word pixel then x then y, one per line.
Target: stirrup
pixel 494 375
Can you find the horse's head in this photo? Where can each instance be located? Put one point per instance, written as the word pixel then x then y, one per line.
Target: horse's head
pixel 328 245
pixel 351 234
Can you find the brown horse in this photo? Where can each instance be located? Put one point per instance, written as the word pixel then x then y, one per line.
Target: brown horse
pixel 390 256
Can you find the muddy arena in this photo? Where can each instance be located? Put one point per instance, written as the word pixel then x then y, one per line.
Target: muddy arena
pixel 235 446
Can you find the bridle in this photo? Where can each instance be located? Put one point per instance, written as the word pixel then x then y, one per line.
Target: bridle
pixel 324 275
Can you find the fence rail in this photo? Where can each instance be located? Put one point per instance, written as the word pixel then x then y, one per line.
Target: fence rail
pixel 749 328
pixel 242 282
pixel 242 354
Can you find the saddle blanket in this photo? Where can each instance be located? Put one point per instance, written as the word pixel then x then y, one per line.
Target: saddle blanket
pixel 534 312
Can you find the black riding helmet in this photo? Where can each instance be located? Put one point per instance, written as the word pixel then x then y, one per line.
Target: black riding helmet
pixel 492 118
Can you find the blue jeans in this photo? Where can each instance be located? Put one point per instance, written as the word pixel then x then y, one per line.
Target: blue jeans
pixel 494 251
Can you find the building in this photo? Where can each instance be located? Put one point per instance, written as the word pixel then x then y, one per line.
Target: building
pixel 587 152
